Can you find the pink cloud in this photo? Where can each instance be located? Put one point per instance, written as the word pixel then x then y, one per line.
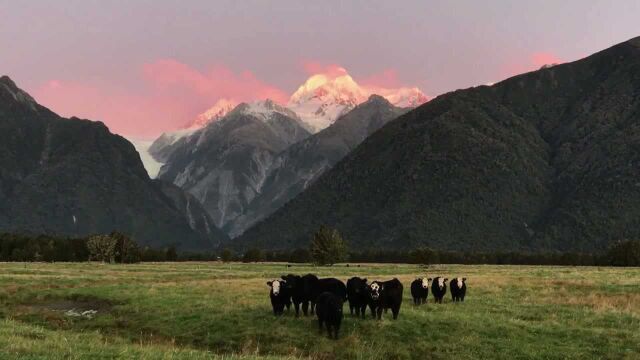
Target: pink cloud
pixel 385 79
pixel 531 62
pixel 312 67
pixel 170 95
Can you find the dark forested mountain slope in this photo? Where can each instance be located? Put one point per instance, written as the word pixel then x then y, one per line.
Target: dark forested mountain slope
pixel 545 160
pixel 73 177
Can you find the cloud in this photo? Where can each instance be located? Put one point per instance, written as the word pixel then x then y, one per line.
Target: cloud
pixel 168 95
pixel 312 67
pixel 533 61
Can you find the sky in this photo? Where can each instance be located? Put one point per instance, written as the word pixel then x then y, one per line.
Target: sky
pixel 145 67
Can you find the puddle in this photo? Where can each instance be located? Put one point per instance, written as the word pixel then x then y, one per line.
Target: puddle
pixel 86 308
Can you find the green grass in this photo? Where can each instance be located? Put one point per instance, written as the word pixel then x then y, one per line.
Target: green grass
pixel 214 310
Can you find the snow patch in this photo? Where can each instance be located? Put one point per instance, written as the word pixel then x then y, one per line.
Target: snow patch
pixel 150 164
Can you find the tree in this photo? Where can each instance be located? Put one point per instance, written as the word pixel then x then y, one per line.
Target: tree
pixel 171 254
pixel 227 255
pixel 127 250
pixel 328 247
pixel 102 248
pixel 253 255
pixel 424 256
pixel 624 253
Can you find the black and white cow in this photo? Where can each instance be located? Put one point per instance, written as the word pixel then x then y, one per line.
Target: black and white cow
pixel 439 288
pixel 384 295
pixel 329 312
pixel 420 290
pixel 458 289
pixel 279 295
pixel 357 295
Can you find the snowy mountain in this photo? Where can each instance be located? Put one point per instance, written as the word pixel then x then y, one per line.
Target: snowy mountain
pixel 322 99
pixel 224 164
pixel 216 112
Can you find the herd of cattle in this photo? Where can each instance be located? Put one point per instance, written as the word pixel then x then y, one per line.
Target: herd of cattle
pixel 326 296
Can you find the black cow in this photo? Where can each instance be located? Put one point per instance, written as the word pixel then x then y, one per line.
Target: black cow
pixel 279 295
pixel 420 290
pixel 329 311
pixel 383 295
pixel 331 285
pixel 301 290
pixel 458 289
pixel 357 295
pixel 439 288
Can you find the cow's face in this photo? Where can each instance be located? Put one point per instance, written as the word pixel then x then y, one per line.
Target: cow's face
pixel 442 282
pixel 290 280
pixel 360 286
pixel 276 286
pixel 459 282
pixel 425 282
pixel 374 289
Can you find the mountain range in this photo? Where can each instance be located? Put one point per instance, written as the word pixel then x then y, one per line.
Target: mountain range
pixel 547 160
pixel 73 177
pixel 248 169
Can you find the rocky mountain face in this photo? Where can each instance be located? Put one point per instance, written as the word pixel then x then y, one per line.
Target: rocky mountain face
pixel 297 167
pixel 545 160
pixel 73 177
pixel 225 164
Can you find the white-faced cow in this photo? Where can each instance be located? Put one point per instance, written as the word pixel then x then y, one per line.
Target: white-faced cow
pixel 385 295
pixel 329 312
pixel 420 290
pixel 439 288
pixel 279 295
pixel 458 289
pixel 357 295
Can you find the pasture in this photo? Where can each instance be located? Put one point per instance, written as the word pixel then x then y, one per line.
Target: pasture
pixel 215 310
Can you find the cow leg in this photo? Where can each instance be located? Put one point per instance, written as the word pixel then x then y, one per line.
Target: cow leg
pixel 305 308
pixel 313 307
pixel 320 327
pixel 351 308
pixel 395 311
pixel 296 306
pixel 379 313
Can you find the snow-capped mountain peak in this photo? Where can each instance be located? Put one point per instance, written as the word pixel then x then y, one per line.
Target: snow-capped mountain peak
pixel 217 111
pixel 264 110
pixel 322 99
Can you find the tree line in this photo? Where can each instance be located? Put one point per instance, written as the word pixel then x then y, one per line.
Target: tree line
pixel 327 247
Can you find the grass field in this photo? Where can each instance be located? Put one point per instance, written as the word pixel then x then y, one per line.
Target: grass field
pixel 214 310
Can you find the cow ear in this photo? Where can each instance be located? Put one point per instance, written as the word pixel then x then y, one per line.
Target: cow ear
pixel 269 283
pixel 445 279
pixel 464 279
pixel 282 277
pixel 365 280
pixel 429 279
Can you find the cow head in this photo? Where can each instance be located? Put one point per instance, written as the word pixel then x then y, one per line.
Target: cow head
pixel 276 286
pixel 374 289
pixel 442 282
pixel 290 280
pixel 425 282
pixel 460 281
pixel 360 285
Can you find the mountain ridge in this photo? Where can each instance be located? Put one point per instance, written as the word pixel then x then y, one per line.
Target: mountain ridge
pixel 542 160
pixel 74 177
